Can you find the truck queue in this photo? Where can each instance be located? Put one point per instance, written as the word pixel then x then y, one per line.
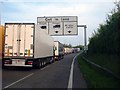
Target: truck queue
pixel 24 45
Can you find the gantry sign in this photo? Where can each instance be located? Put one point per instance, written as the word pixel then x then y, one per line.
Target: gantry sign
pixel 59 25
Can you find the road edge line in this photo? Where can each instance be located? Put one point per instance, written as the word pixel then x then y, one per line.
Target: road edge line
pixel 70 83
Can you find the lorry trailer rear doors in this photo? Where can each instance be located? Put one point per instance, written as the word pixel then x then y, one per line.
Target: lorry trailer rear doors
pixel 19 40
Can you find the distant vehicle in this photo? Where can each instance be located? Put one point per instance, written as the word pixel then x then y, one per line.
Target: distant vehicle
pixel 76 50
pixel 58 50
pixel 68 50
pixel 27 46
pixel 1 40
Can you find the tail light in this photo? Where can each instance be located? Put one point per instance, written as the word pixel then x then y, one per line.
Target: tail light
pixel 7 62
pixel 30 62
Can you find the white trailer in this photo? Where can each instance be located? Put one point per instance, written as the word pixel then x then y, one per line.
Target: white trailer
pixel 68 50
pixel 58 50
pixel 25 45
pixel 76 50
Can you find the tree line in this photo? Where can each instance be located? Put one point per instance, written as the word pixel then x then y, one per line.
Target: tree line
pixel 107 37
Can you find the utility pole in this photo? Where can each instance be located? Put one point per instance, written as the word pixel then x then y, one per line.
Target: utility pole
pixel 85 37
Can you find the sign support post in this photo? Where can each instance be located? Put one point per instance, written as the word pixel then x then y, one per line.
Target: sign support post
pixel 85 37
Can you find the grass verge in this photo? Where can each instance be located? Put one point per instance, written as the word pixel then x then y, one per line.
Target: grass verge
pixel 111 62
pixel 95 78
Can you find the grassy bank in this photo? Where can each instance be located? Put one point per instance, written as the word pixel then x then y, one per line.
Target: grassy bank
pixel 111 62
pixel 95 78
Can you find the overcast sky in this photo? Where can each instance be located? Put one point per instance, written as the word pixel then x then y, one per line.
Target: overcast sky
pixel 89 12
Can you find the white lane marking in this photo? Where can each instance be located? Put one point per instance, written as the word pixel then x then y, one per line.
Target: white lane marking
pixel 18 80
pixel 45 67
pixel 70 83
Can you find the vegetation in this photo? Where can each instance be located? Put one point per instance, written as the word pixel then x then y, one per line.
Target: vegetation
pixel 107 37
pixel 110 62
pixel 67 45
pixel 79 46
pixel 104 46
pixel 104 49
pixel 70 46
pixel 95 78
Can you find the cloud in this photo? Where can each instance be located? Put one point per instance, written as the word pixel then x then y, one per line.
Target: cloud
pixel 71 1
pixel 92 13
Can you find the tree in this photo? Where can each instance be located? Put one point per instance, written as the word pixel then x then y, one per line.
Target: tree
pixel 107 37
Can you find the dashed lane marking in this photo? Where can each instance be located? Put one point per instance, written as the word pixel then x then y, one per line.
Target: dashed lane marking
pixel 18 80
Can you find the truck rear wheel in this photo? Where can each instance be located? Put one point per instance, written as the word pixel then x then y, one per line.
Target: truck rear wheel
pixel 38 64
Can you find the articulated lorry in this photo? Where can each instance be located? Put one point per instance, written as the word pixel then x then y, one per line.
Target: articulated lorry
pixel 1 40
pixel 27 46
pixel 68 50
pixel 58 50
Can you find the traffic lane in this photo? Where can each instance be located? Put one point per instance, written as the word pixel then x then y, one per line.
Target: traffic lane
pixel 12 74
pixel 52 76
pixel 78 79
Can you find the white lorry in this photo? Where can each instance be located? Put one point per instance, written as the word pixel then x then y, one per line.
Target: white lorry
pixel 76 50
pixel 27 46
pixel 68 50
pixel 58 50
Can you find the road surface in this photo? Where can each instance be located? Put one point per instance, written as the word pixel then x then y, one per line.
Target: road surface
pixel 55 75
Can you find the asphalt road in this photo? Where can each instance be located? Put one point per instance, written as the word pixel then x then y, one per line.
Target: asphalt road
pixel 55 75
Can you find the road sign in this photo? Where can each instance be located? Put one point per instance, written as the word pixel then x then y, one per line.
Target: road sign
pixel 55 28
pixel 70 28
pixel 69 18
pixel 59 25
pixel 43 26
